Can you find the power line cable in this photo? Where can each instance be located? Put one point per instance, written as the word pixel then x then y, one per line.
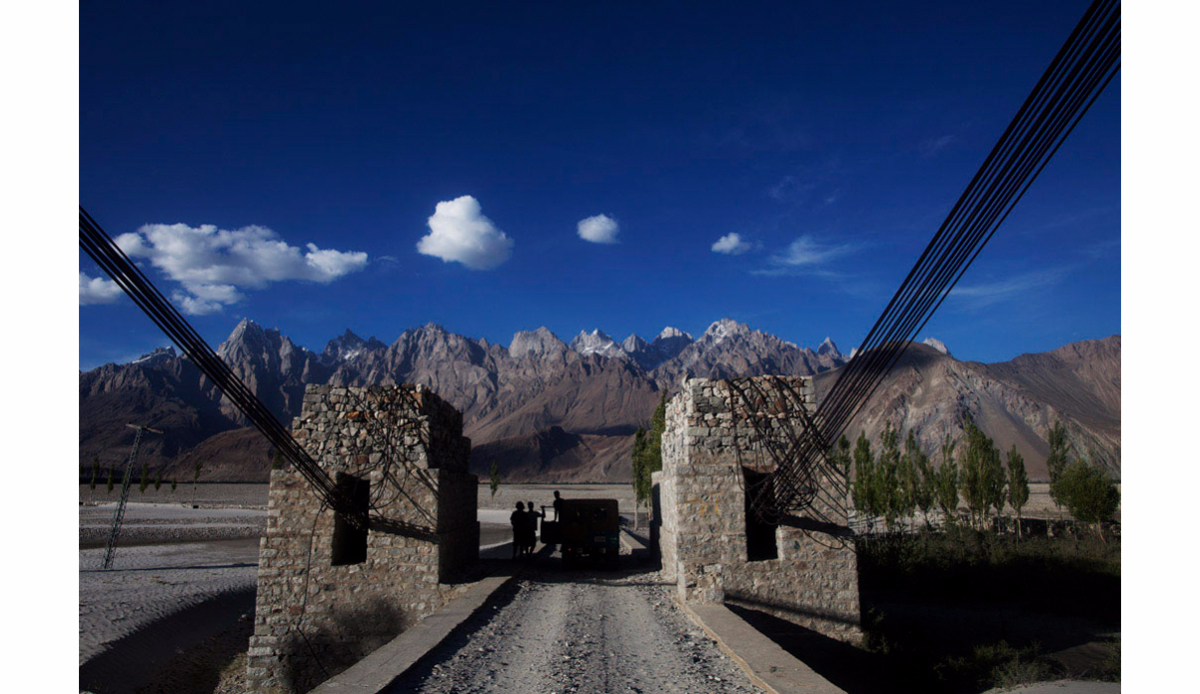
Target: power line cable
pixel 1079 72
pixel 109 256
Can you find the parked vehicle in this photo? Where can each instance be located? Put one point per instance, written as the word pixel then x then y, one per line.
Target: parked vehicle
pixel 588 530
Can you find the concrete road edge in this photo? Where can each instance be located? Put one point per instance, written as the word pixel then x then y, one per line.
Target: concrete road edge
pixel 389 662
pixel 764 661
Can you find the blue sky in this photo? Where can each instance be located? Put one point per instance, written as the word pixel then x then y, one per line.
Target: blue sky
pixel 310 169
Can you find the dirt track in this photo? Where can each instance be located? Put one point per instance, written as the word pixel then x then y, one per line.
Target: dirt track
pixel 559 632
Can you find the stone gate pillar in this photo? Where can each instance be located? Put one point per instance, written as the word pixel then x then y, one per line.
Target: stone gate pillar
pixel 329 592
pixel 713 548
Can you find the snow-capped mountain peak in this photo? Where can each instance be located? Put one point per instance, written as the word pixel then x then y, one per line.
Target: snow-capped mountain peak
pixel 828 347
pixel 634 343
pixel 938 345
pixel 348 346
pixel 535 342
pixel 596 342
pixel 724 328
pixel 159 353
pixel 669 332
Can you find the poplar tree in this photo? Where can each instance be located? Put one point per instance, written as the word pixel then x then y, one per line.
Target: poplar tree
pixel 641 472
pixel 839 456
pixel 946 481
pixel 647 455
pixel 158 480
pixel 889 489
pixel 658 426
pixel 983 474
pixel 864 477
pixel 494 478
pixel 145 479
pixel 920 478
pixel 995 481
pixel 1018 484
pixel 641 475
pixel 195 478
pixel 1056 461
pixel 110 480
pixel 95 469
pixel 974 483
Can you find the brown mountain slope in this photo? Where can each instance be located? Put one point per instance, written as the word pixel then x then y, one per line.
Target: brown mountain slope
pixel 555 455
pixel 592 395
pixel 934 394
pixel 162 392
pixel 230 456
pixel 1083 379
pixel 512 398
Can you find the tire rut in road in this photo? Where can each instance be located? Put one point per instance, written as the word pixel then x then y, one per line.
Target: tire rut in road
pixel 546 635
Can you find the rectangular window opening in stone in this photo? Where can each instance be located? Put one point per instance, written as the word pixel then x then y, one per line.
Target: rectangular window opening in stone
pixel 350 542
pixel 760 534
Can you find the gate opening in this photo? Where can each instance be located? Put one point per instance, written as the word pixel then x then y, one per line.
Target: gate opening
pixel 350 542
pixel 760 533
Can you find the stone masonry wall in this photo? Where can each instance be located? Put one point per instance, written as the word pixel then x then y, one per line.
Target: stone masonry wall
pixel 314 619
pixel 702 539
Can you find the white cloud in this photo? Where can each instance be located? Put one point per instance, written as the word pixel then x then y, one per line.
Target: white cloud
pixel 97 290
pixel 807 252
pixel 930 148
pixel 599 229
pixel 195 306
pixel 807 256
pixel 983 295
pixel 731 244
pixel 213 263
pixel 790 188
pixel 458 232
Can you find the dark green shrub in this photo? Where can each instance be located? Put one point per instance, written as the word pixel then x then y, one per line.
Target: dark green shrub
pixel 1089 494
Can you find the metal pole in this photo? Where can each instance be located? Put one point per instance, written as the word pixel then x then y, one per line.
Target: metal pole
pixel 111 549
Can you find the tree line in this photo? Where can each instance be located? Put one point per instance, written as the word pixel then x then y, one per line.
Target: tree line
pixel 898 481
pixel 901 480
pixel 647 455
pixel 112 478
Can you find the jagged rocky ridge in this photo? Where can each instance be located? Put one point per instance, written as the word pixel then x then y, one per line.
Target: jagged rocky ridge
pixel 595 389
pixel 539 408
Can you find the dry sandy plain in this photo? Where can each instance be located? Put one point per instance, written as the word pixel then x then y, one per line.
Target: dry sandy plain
pixel 180 596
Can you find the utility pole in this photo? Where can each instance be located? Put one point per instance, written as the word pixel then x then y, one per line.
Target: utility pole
pixel 125 484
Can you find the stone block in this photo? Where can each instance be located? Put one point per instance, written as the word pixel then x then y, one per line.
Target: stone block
pixel 399 581
pixel 702 531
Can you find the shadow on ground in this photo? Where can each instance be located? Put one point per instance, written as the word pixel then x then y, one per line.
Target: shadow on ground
pixel 964 613
pixel 142 659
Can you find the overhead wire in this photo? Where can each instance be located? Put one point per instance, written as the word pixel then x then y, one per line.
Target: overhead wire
pixel 1085 64
pixel 922 310
pixel 890 352
pixel 916 319
pixel 109 256
pixel 780 430
pixel 1079 72
pixel 898 327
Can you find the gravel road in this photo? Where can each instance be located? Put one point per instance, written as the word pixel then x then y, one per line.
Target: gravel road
pixel 555 633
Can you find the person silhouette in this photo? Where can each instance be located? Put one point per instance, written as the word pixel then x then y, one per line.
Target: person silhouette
pixel 518 526
pixel 557 505
pixel 531 517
